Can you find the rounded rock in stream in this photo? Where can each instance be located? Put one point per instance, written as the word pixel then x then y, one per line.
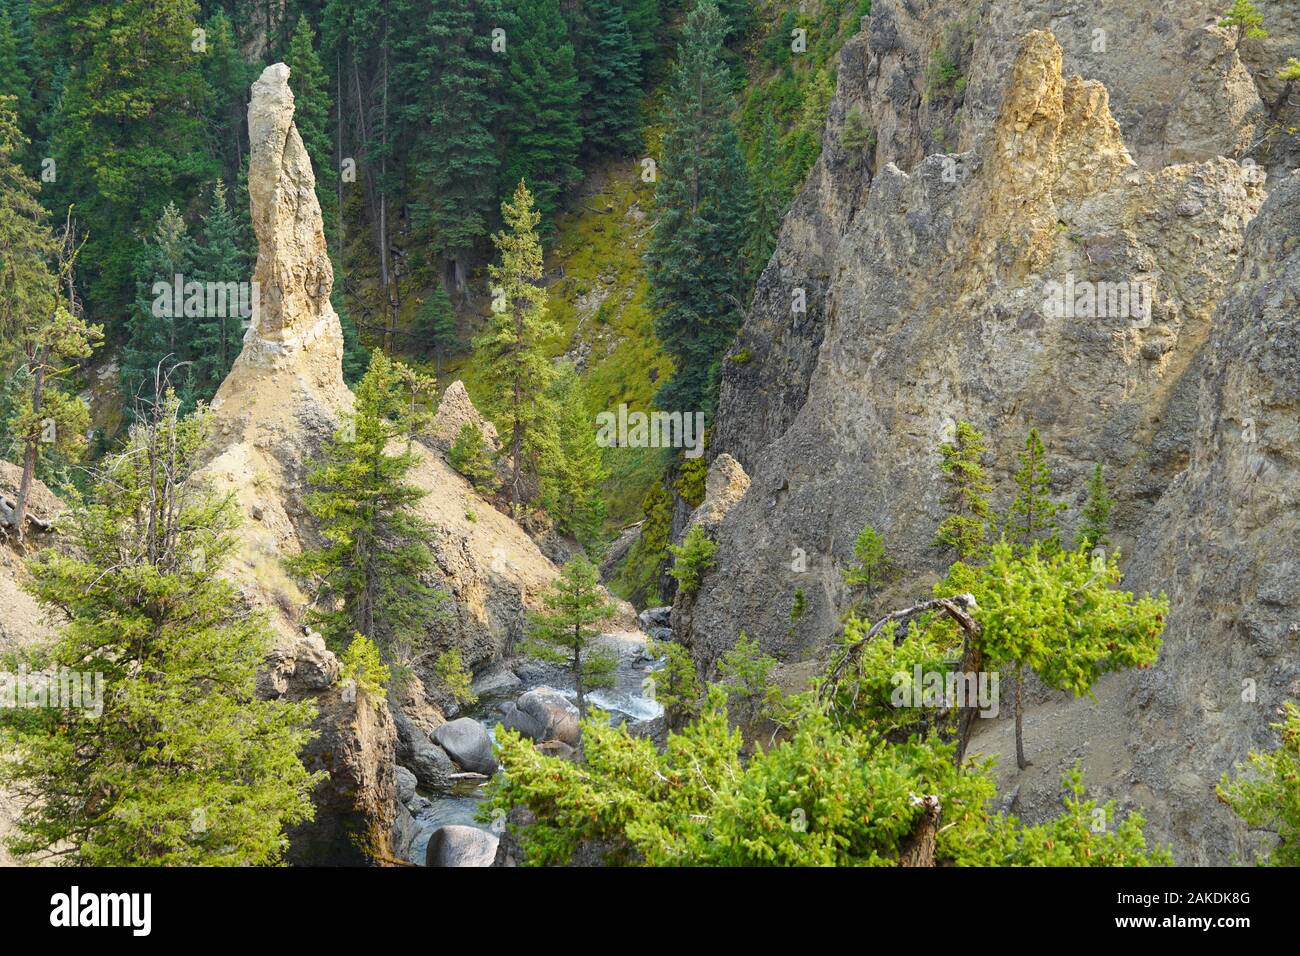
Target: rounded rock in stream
pixel 466 741
pixel 550 714
pixel 456 845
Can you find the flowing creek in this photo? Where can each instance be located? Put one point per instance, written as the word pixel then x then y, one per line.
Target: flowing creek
pixel 626 702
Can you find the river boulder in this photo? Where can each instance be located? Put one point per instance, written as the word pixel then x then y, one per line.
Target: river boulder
pixel 456 845
pixel 553 715
pixel 467 743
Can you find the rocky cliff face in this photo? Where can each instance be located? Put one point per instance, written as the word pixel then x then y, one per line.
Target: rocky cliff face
pixel 1179 88
pixel 1225 543
pixel 928 281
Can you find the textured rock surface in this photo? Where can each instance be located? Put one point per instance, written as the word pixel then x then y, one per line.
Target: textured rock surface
pixel 455 411
pixel 1178 89
pixel 1225 543
pixel 935 313
pixel 467 743
pixel 925 292
pixel 544 714
pixel 456 845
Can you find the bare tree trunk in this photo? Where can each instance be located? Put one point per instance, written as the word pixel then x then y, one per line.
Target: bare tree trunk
pixel 918 849
pixel 1021 762
pixel 577 670
pixel 972 662
pixel 32 442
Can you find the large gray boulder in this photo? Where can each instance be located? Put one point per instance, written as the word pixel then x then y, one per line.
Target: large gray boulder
pixel 467 743
pixel 431 766
pixel 456 845
pixel 549 715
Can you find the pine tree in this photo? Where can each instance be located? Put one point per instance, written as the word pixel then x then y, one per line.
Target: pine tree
pixel 356 359
pixel 543 135
pixel 1032 519
pixel 27 245
pixel 564 633
pixel 130 131
pixel 1096 513
pixel 771 197
pixel 516 370
pixel 14 80
pixel 469 456
pixel 368 574
pixel 965 530
pixel 609 63
pixel 869 549
pixel 36 322
pixel 696 259
pixel 311 101
pixel 183 763
pixel 1245 18
pixel 446 62
pixel 50 418
pixel 229 78
pixel 572 468
pixel 643 23
pixel 1265 793
pixel 217 339
pixel 155 330
pixel 435 326
pixel 1060 616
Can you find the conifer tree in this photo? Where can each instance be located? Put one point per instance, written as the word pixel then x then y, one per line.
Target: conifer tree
pixel 217 339
pixel 1265 793
pixel 866 575
pixel 516 369
pixel 1244 17
pixel 1060 615
pixel 771 197
pixel 14 80
pixel 229 78
pixel 572 464
pixel 543 135
pixel 155 330
pixel 183 763
pixel 50 418
pixel 311 102
pixel 696 259
pixel 1096 513
pixel 37 321
pixel 1032 519
pixel 368 573
pixel 565 632
pixel 455 80
pixel 469 456
pixel 132 127
pixel 965 530
pixel 435 326
pixel 644 20
pixel 609 63
pixel 26 243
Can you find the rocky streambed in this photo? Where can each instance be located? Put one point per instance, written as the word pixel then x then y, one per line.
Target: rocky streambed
pixel 442 774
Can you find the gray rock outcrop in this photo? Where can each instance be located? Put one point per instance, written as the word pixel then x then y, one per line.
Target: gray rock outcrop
pixel 467 743
pixel 457 845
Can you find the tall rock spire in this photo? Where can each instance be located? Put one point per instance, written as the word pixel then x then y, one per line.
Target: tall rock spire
pixel 294 327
